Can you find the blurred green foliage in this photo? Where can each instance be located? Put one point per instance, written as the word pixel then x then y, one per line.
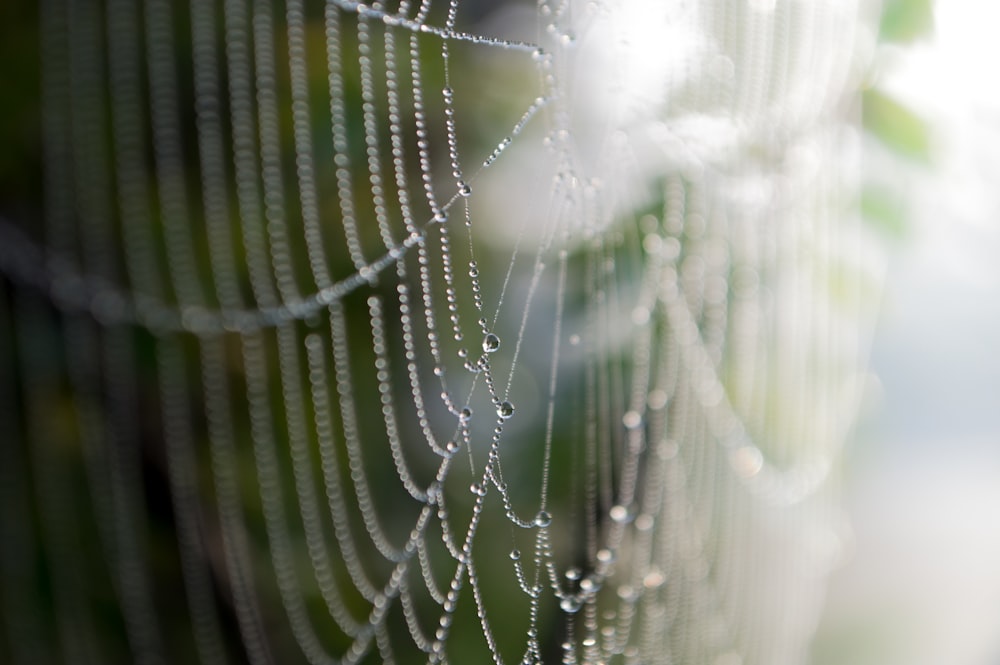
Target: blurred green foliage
pixel 906 21
pixel 896 126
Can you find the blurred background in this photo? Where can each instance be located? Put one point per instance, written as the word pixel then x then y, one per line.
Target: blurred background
pixel 922 584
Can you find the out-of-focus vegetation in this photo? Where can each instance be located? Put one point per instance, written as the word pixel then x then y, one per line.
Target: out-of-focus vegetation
pixel 894 126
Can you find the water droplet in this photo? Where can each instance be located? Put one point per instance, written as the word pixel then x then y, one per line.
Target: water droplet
pixel 473 269
pixel 465 415
pixel 439 370
pixel 491 343
pixel 515 554
pixel 451 447
pixel 619 514
pixel 463 353
pixel 657 399
pixel 448 93
pixel 573 574
pixel 440 217
pixel 652 243
pixel 464 189
pixel 477 489
pixel 631 419
pixel 644 522
pixel 653 579
pixel 747 461
pixel 570 604
pixel 605 555
pixel 505 410
pixel 667 449
pixel 543 519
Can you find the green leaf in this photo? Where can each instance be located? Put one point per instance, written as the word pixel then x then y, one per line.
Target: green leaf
pixel 896 126
pixel 906 20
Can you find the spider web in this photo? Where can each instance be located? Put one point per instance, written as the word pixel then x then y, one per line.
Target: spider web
pixel 356 335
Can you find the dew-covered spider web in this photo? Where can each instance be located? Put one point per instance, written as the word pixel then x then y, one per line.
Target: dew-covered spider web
pixel 430 332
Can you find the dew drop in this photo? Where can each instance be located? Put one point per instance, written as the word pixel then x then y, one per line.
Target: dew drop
pixel 667 449
pixel 619 514
pixel 657 399
pixel 543 519
pixel 473 269
pixel 505 410
pixel 631 419
pixel 491 343
pixel 463 353
pixel 440 217
pixel 464 189
pixel 573 574
pixel 652 243
pixel 640 316
pixel 515 555
pixel 570 604
pixel 439 371
pixel 605 556
pixel 747 461
pixel 451 447
pixel 653 579
pixel 465 415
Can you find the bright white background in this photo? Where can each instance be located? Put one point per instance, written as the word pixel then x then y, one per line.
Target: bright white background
pixel 923 475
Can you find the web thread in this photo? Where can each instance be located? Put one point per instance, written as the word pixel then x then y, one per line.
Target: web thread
pixel 351 334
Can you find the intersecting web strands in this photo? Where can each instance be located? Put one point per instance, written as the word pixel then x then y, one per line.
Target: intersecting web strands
pixel 396 332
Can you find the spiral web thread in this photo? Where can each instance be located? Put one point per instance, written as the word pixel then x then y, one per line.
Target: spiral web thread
pixel 298 370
